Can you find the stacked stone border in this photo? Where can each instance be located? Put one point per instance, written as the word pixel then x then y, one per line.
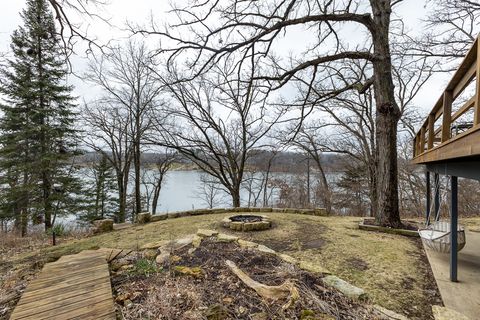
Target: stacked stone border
pixel 263 224
pixel 198 212
pixel 106 225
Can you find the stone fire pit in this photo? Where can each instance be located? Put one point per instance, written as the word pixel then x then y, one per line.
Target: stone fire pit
pixel 247 222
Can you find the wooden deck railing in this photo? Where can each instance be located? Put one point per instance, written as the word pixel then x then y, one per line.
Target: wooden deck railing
pixel 432 134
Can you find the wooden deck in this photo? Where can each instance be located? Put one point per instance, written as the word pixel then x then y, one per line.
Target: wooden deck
pixel 74 287
pixel 452 129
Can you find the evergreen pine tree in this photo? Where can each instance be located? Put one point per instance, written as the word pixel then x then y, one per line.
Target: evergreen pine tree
pixel 101 202
pixel 38 139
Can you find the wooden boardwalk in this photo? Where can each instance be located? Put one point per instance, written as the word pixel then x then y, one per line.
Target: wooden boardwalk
pixel 74 287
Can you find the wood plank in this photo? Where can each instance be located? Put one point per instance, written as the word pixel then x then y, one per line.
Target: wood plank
pixel 470 103
pixel 92 286
pixel 431 134
pixel 64 279
pixel 465 81
pixel 422 140
pixel 447 115
pixel 96 311
pixel 60 302
pixel 75 287
pixel 71 310
pixel 462 145
pixel 477 91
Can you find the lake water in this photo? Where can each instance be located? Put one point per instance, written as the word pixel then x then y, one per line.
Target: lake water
pixel 182 190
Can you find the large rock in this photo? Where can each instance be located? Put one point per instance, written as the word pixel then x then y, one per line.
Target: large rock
pixel 197 241
pixel 344 287
pixel 389 314
pixel 101 226
pixel 143 217
pixel 206 233
pixel 155 244
pixel 177 244
pixel 162 258
pixel 149 254
pixel 287 258
pixel 226 238
pixel 247 244
pixel 265 249
pixel 195 272
pixel 158 217
pixel 320 212
pixel 313 267
pixel 442 313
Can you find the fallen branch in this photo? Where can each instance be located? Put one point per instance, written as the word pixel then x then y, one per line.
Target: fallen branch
pixel 285 290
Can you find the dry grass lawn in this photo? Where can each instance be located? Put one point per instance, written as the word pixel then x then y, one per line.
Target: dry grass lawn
pixel 391 268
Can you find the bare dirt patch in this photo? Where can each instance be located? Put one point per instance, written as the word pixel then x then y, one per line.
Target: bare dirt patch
pixel 357 263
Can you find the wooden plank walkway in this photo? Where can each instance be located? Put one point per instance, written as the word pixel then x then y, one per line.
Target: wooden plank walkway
pixel 74 287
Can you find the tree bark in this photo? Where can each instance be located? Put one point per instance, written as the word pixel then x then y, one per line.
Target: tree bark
pixel 235 197
pixel 387 117
pixel 122 196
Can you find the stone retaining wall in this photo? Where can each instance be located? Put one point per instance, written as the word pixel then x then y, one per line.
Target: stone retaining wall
pixel 178 214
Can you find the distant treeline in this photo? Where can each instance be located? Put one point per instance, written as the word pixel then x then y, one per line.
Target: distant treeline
pixel 285 161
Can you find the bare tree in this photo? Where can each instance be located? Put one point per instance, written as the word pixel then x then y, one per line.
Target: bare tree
pixel 451 26
pixel 153 178
pixel 125 75
pixel 307 140
pixel 215 121
pixel 109 134
pixel 240 30
pixel 210 191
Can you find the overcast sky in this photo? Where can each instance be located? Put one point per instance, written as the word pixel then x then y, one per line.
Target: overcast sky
pixel 139 11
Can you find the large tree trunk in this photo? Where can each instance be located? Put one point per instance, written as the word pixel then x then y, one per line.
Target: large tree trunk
pixel 326 194
pixel 156 196
pixel 156 193
pixel 122 198
pixel 372 187
pixel 235 197
pixel 136 160
pixel 387 116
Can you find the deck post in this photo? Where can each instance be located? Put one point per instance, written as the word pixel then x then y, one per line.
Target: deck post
pixel 447 115
pixel 428 195
pixel 431 129
pixel 436 187
pixel 454 229
pixel 476 119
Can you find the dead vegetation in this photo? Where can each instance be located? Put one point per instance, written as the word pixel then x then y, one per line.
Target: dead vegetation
pixel 229 283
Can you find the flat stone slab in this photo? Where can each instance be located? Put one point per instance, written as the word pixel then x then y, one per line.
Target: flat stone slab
pixel 389 314
pixel 287 258
pixel 313 267
pixel 344 287
pixel 158 217
pixel 265 249
pixel 222 237
pixel 442 313
pixel 155 244
pixel 205 233
pixel 247 244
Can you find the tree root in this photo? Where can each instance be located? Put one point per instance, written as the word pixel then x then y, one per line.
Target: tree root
pixel 283 291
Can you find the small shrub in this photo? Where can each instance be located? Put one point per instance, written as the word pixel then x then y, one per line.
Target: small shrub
pixel 61 230
pixel 145 267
